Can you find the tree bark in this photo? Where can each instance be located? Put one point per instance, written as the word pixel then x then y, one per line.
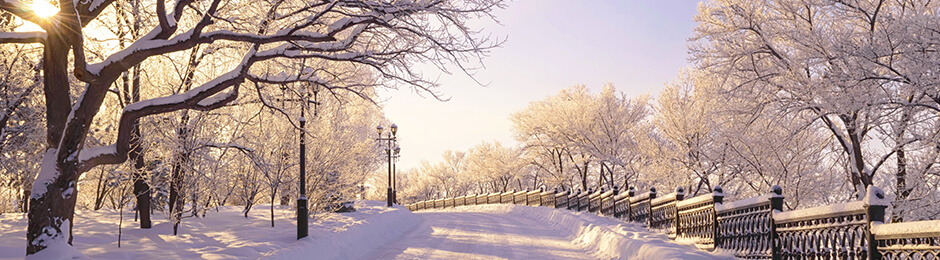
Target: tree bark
pixel 901 176
pixel 57 177
pixel 141 188
pixel 860 178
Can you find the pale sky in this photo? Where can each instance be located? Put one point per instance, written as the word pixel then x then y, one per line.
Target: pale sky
pixel 552 44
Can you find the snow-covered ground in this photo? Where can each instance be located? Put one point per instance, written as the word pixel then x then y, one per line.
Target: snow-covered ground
pixel 373 232
pixel 523 232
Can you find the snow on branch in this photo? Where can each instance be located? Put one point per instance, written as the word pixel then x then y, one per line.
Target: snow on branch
pixel 398 36
pixel 205 97
pixel 89 9
pixel 22 37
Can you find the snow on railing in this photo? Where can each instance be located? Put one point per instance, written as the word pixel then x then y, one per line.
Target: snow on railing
pixel 697 219
pixel 663 213
pixel 908 240
pixel 746 226
pixel 752 228
pixel 640 207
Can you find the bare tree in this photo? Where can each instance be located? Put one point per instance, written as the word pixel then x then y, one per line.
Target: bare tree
pixel 385 38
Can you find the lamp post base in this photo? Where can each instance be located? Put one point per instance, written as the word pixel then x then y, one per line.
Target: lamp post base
pixel 390 196
pixel 302 217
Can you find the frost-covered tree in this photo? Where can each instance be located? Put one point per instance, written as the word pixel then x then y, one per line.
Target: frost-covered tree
pixel 575 133
pixel 861 71
pixel 383 38
pixel 493 167
pixel 838 62
pixel 693 151
pixel 20 104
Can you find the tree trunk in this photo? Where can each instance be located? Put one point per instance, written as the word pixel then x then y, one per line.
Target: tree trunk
pixel 100 191
pixel 273 197
pixel 860 178
pixel 176 182
pixel 584 175
pixel 52 198
pixel 901 176
pixel 48 215
pixel 141 188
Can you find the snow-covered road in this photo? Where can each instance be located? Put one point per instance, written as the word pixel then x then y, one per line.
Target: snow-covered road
pixel 480 235
pixel 372 232
pixel 522 232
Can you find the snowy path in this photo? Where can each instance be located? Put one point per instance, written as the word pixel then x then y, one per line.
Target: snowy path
pixel 372 232
pixel 521 232
pixel 480 235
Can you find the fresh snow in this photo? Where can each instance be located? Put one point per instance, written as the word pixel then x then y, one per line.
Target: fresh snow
pixel 372 232
pixel 906 229
pixel 47 174
pixel 828 210
pixel 23 35
pixel 745 203
pixel 89 153
pixel 499 231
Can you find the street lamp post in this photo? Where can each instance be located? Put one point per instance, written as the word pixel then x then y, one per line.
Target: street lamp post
pixel 302 199
pixel 302 211
pixel 392 135
pixel 395 155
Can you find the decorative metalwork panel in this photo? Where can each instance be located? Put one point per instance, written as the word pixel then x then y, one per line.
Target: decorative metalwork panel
pixel 622 208
pixel 746 231
pixel 607 205
pixel 833 237
pixel 663 217
pixel 697 223
pixel 584 202
pixel 548 199
pixel 519 198
pixel 640 211
pixel 561 201
pixel 533 198
pixel 909 248
pixel 574 201
pixel 506 198
pixel 594 203
pixel 907 240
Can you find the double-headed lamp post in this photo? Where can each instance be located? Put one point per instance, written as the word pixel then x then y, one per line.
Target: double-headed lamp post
pixel 302 199
pixel 395 155
pixel 389 141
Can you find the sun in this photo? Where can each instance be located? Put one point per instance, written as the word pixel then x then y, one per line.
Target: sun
pixel 43 8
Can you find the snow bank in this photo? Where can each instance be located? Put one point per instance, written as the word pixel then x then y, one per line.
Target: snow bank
pixel 376 225
pixel 606 238
pixel 226 234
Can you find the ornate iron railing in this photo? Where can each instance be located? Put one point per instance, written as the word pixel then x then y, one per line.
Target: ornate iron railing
pixel 663 213
pixel 697 219
pixel 640 207
pixel 746 226
pixel 908 240
pixel 752 228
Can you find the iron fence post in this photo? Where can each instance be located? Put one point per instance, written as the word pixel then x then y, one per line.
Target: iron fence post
pixel 649 207
pixel 776 205
pixel 718 196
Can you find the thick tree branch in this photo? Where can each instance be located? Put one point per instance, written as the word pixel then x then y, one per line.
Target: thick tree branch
pixel 22 37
